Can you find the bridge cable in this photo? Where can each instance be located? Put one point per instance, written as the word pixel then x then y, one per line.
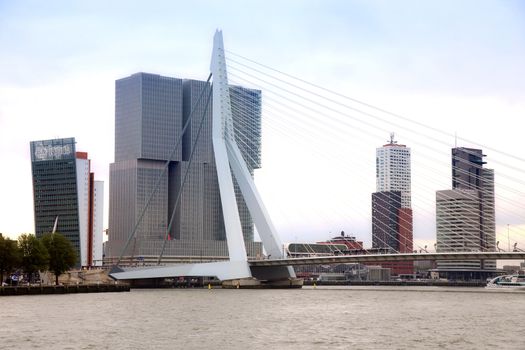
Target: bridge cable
pixel 179 195
pixel 157 183
pixel 399 116
pixel 288 135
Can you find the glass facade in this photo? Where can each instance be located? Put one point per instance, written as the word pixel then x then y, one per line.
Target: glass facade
pixel 385 222
pixel 465 215
pixel 55 194
pixel 150 112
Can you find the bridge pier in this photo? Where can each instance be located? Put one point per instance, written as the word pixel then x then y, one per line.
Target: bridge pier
pixel 239 283
pixel 233 274
pixel 253 283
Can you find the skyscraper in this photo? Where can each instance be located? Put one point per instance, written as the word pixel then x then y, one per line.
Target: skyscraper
pixel 393 170
pixel 465 215
pixel 150 111
pixel 65 192
pixel 468 173
pixel 385 219
pixel 391 204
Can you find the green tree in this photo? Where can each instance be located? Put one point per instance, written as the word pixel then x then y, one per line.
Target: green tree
pixel 34 254
pixel 62 255
pixel 9 256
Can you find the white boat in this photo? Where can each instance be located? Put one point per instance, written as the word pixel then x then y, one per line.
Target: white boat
pixel 508 282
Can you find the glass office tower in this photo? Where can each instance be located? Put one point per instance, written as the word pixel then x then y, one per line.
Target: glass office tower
pixel 150 111
pixel 66 195
pixel 465 215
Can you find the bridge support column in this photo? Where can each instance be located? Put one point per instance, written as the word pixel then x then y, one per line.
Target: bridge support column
pixel 253 283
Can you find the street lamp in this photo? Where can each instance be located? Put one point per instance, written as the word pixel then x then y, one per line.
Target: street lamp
pixel 508 236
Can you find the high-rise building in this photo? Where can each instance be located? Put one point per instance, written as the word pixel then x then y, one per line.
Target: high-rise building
pixel 465 215
pixel 150 113
pixel 393 170
pixel 66 194
pixel 385 219
pixel 468 173
pixel 467 168
pixel 391 204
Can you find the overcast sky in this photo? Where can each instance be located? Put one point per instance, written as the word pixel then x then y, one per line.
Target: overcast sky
pixel 456 65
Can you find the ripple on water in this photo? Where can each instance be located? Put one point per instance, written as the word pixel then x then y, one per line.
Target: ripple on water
pixel 324 318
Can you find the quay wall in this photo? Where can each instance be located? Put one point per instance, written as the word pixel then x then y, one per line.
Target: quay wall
pixel 64 289
pixel 436 283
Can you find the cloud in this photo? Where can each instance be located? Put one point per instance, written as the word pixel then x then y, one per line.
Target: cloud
pixel 454 65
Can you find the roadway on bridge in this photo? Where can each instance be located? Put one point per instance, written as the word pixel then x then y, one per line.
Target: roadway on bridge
pixel 341 259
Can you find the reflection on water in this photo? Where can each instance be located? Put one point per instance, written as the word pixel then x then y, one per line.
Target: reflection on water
pixel 320 318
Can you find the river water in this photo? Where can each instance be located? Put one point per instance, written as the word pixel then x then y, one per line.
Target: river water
pixel 308 318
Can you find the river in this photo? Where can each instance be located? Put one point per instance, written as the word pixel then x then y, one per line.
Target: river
pixel 308 318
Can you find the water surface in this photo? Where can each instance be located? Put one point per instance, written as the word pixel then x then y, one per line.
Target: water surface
pixel 320 318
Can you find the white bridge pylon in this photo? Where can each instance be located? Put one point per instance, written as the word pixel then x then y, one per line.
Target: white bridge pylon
pixel 228 160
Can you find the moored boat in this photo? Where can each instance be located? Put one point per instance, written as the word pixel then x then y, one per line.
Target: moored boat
pixel 508 282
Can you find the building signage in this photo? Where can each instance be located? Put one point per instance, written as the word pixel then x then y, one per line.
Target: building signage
pixel 47 151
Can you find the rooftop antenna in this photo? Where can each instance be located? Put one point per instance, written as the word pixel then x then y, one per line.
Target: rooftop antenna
pixel 392 142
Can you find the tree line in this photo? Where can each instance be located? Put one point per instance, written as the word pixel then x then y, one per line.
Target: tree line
pixel 51 252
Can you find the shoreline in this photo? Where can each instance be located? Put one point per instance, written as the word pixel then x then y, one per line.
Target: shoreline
pixel 428 283
pixel 64 289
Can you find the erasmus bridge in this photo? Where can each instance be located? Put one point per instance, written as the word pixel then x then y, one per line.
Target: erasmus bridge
pixel 231 166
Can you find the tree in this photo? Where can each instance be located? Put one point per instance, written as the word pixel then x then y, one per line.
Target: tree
pixel 62 255
pixel 9 256
pixel 35 256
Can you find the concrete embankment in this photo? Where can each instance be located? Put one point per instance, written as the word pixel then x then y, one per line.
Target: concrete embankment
pixel 80 288
pixel 435 283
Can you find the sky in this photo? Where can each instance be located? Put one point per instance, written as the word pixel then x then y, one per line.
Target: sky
pixel 454 65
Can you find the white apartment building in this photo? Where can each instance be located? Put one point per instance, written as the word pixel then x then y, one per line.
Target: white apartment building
pixel 393 170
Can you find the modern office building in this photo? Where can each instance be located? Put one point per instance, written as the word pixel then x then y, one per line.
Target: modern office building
pixel 385 219
pixel 467 168
pixel 393 170
pixel 66 195
pixel 391 205
pixel 465 215
pixel 150 114
pixel 468 173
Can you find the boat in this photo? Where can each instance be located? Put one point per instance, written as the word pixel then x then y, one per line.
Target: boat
pixel 508 282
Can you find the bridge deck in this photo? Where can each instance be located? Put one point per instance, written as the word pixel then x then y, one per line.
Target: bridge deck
pixel 341 259
pixel 226 269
